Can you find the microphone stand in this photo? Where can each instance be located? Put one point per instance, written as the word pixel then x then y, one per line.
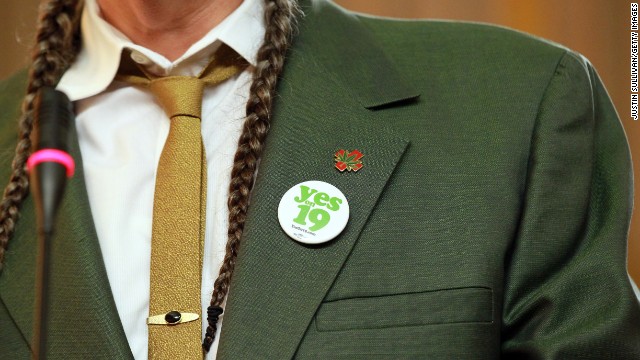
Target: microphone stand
pixel 49 166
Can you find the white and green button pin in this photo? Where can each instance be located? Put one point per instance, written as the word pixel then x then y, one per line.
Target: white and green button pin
pixel 313 212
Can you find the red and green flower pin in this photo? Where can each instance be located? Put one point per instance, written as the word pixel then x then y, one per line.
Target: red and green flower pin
pixel 349 161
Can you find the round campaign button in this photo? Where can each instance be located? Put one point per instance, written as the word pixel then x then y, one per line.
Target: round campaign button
pixel 313 212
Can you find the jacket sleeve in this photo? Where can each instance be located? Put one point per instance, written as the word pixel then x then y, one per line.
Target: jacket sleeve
pixel 568 294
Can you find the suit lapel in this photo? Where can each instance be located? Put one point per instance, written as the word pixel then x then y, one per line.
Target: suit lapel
pixel 85 322
pixel 278 283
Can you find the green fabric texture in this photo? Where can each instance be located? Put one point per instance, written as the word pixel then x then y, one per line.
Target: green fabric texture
pixel 489 220
pixel 85 312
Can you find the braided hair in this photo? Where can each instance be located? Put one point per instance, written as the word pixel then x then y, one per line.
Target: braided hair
pixel 58 43
pixel 280 19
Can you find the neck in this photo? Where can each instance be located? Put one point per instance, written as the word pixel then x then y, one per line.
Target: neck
pixel 168 27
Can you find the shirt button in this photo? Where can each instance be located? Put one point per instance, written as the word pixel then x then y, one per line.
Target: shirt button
pixel 139 58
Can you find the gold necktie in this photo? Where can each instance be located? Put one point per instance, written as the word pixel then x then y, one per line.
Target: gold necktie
pixel 179 210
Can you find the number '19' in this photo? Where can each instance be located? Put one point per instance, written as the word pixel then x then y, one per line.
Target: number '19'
pixel 319 217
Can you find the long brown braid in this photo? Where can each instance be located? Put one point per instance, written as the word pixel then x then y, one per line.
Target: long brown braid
pixel 280 19
pixel 57 43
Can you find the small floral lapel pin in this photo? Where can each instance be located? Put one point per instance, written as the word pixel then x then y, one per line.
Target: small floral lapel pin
pixel 349 161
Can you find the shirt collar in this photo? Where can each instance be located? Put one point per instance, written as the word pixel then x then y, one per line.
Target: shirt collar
pixel 102 45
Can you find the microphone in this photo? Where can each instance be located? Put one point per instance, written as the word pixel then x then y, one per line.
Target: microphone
pixel 50 163
pixel 49 167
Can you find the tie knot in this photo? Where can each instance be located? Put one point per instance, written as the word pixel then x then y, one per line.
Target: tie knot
pixel 182 95
pixel 179 95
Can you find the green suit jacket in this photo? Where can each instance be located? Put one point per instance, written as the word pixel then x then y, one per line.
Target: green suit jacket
pixel 489 220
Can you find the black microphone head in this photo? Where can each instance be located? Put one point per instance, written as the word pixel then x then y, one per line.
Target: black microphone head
pixel 50 163
pixel 53 116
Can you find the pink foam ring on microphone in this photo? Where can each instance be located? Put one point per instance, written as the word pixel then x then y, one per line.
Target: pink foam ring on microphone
pixel 52 155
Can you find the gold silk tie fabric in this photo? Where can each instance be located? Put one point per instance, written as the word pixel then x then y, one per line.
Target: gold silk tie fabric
pixel 179 208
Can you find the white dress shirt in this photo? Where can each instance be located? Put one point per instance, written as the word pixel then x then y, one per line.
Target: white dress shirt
pixel 122 130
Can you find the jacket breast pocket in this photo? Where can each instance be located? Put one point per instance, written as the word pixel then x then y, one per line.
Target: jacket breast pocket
pixel 447 306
